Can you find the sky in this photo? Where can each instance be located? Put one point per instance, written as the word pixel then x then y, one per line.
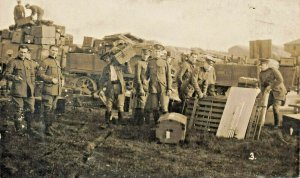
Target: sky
pixel 207 24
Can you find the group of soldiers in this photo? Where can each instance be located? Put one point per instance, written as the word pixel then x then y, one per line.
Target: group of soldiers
pixel 153 83
pixel 152 87
pixel 19 11
pixel 22 72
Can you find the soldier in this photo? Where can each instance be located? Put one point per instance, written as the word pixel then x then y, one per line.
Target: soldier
pixel 19 11
pixel 211 76
pixel 199 80
pixel 51 74
pixel 160 84
pixel 21 71
pixel 184 75
pixel 141 87
pixel 112 78
pixel 270 80
pixel 36 10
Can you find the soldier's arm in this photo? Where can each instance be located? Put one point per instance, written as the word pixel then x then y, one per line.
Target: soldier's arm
pixel 128 68
pixel 9 71
pixel 278 78
pixel 42 73
pixel 138 80
pixel 104 77
pixel 180 74
pixel 23 12
pixel 169 77
pixel 195 82
pixel 205 86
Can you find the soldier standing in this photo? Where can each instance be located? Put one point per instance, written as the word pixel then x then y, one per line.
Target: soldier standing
pixel 141 87
pixel 184 76
pixel 270 80
pixel 21 71
pixel 112 76
pixel 35 10
pixel 51 74
pixel 211 76
pixel 160 83
pixel 19 11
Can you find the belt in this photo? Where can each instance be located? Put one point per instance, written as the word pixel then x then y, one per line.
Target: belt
pixel 115 82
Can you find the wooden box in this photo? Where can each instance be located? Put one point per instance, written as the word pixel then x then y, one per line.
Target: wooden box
pixel 68 39
pixel 6 34
pixel 291 123
pixel 17 37
pixel 44 41
pixel 28 39
pixel 24 21
pixel 171 128
pixel 43 31
pixel 125 55
pixel 287 62
pixel 88 41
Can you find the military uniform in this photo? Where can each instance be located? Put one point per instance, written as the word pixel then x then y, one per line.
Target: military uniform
pixel 49 69
pixel 159 73
pixel 22 73
pixel 19 12
pixel 112 75
pixel 211 81
pixel 37 10
pixel 184 78
pixel 199 82
pixel 141 86
pixel 272 78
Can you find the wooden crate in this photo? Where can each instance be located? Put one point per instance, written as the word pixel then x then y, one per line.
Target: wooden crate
pixel 291 123
pixel 171 128
pixel 209 113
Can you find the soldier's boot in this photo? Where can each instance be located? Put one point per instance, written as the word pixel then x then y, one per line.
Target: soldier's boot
pixel 18 120
pixel 136 116
pixel 121 118
pixel 276 120
pixel 147 117
pixel 48 116
pixel 156 116
pixel 141 117
pixel 28 119
pixel 107 120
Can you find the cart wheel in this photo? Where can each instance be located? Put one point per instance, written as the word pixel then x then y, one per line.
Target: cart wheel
pixel 86 85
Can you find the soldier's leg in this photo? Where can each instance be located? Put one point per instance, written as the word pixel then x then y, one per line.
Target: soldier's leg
pixel 109 106
pixel 18 113
pixel 276 105
pixel 155 106
pixel 148 108
pixel 121 102
pixel 139 111
pixel 164 101
pixel 29 112
pixel 47 102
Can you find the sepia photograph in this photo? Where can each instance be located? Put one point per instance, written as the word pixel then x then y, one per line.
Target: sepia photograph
pixel 149 88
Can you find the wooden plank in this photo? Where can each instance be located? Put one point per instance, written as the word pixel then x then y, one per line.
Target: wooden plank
pixel 209 114
pixel 207 123
pixel 215 110
pixel 237 112
pixel 212 104
pixel 205 129
pixel 217 121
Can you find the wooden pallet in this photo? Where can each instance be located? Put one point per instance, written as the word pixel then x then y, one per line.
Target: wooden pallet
pixel 207 114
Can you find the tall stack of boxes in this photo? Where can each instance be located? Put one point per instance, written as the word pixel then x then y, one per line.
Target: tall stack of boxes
pixel 37 37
